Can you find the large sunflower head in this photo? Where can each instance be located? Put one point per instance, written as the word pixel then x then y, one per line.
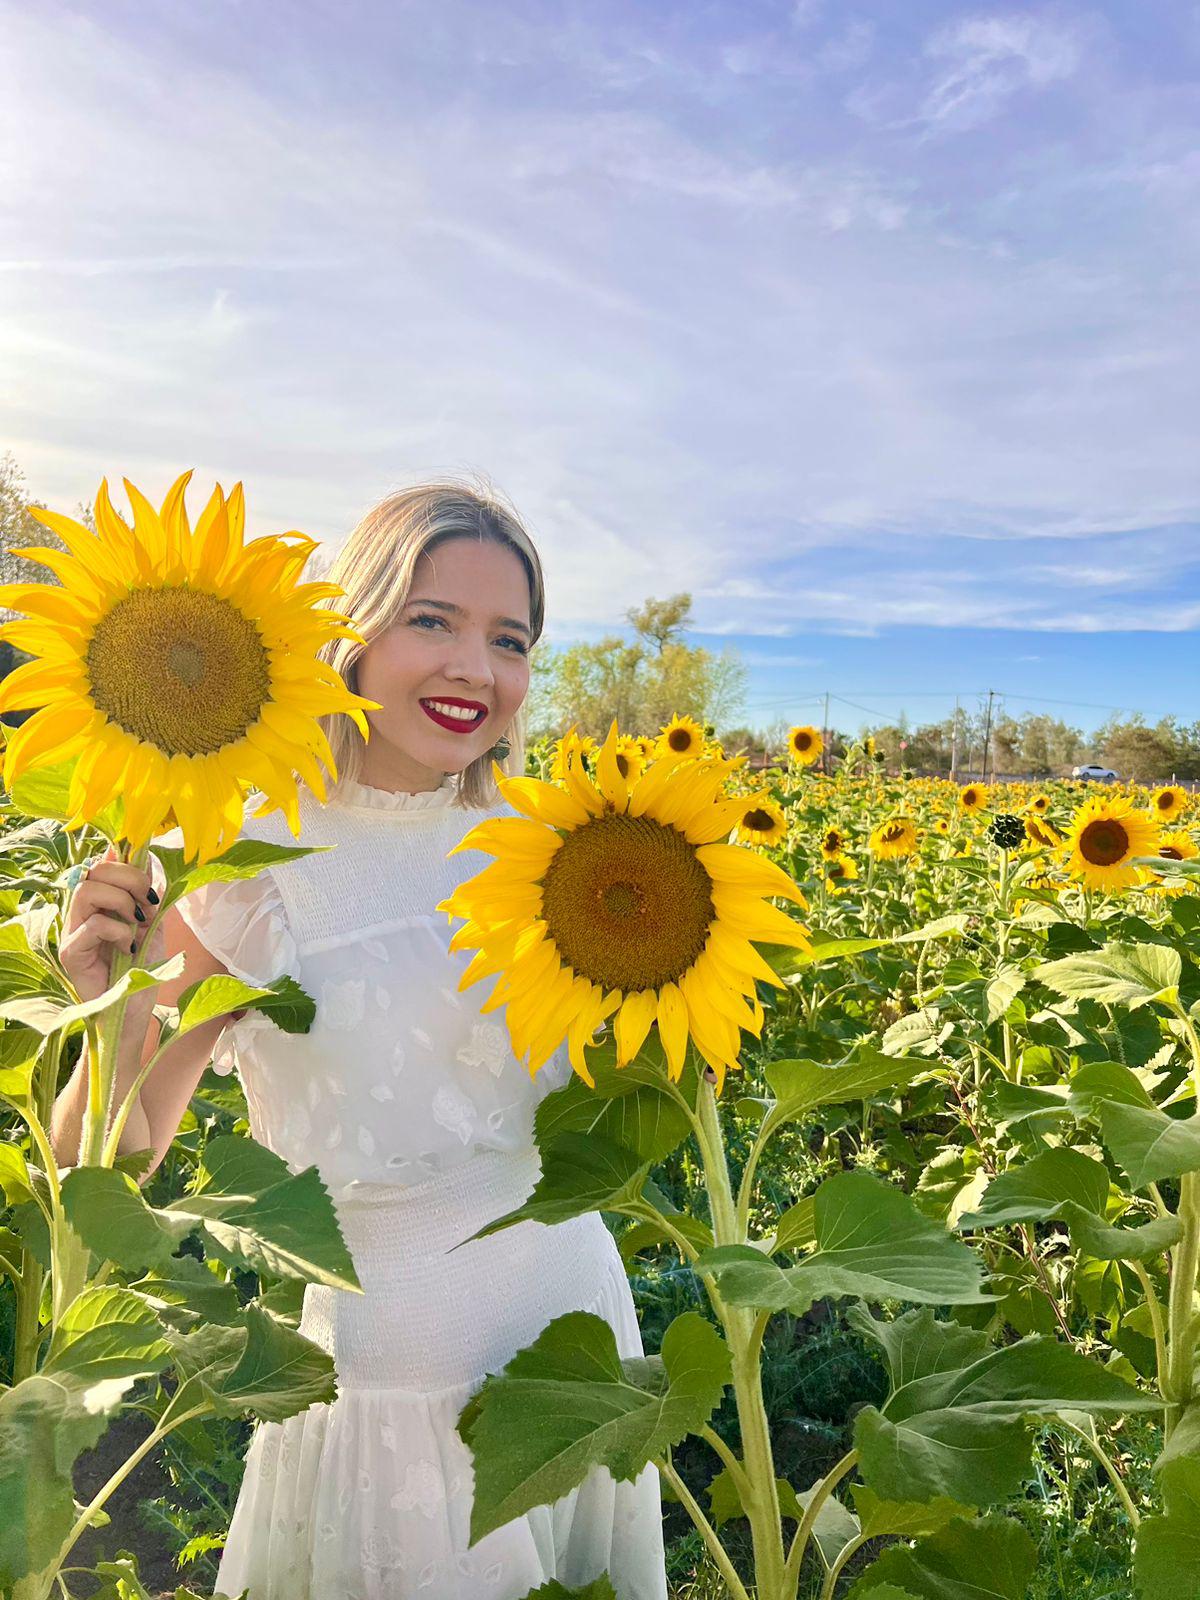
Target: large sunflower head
pixel 1177 847
pixel 1169 802
pixel 616 897
pixel 805 746
pixel 972 798
pixel 179 665
pixel 681 737
pixel 893 839
pixel 763 821
pixel 1105 837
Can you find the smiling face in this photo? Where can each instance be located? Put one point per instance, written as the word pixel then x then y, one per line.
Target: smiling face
pixel 453 669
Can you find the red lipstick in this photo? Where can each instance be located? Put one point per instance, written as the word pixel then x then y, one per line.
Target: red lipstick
pixel 447 719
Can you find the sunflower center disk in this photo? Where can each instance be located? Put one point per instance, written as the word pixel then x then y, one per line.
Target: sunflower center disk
pixel 1103 843
pixel 182 669
pixel 758 819
pixel 627 903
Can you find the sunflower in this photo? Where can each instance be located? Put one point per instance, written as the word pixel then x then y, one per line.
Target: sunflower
pixel 942 826
pixel 763 822
pixel 680 737
pixel 1040 804
pixel 805 746
pixel 838 873
pixel 972 798
pixel 1169 802
pixel 1105 836
pixel 1177 847
pixel 894 839
pixel 1043 835
pixel 610 897
pixel 179 665
pixel 630 759
pixel 833 842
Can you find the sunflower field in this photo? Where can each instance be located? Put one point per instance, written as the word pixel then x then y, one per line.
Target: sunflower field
pixel 886 1088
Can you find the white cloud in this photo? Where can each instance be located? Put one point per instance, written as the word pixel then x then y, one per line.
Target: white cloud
pixel 987 59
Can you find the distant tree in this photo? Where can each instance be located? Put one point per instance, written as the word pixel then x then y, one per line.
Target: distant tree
pixel 1135 751
pixel 642 681
pixel 18 528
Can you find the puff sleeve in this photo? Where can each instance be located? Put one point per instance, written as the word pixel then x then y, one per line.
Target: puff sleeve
pixel 245 925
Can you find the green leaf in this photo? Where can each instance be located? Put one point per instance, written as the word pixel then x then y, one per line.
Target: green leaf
pixel 567 1403
pixel 254 1210
pixel 1003 990
pixel 246 858
pixel 1037 1190
pixel 580 1173
pixel 922 1031
pixel 601 1589
pixel 278 1374
pixel 15 1180
pixel 787 961
pixel 214 997
pixel 47 1013
pixel 186 1291
pixel 962 1430
pixel 632 1106
pixel 642 1235
pixel 904 1519
pixel 1011 1103
pixel 1121 974
pixel 799 1087
pixel 1098 1082
pixel 1149 1144
pixel 796 1229
pixel 1105 1243
pixel 109 1213
pixel 1166 1563
pixel 107 1333
pixel 989 1559
pixel 45 1423
pixel 871 1242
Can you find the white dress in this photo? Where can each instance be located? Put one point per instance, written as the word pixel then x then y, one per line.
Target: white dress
pixel 420 1120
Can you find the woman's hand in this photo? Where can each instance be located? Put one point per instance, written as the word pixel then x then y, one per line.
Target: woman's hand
pixel 111 908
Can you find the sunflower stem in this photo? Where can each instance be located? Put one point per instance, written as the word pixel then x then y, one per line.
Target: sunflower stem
pixel 740 1325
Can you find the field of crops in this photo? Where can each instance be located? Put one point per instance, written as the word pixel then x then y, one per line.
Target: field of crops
pixel 959 1222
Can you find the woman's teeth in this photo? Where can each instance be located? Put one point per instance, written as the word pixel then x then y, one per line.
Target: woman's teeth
pixel 459 713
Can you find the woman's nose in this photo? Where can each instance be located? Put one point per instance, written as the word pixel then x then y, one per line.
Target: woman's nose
pixel 470 663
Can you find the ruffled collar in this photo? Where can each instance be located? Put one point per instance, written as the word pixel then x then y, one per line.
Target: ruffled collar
pixel 363 797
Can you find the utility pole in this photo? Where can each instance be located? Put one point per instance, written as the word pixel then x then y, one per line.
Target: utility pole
pixel 825 736
pixel 954 745
pixel 987 733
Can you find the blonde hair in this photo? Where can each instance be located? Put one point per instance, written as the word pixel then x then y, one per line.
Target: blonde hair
pixel 375 567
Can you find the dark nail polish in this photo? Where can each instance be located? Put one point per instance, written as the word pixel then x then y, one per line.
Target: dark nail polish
pixel 133 948
pixel 139 913
pixel 152 896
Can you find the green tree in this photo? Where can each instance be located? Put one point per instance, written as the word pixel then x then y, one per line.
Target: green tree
pixel 1136 751
pixel 642 681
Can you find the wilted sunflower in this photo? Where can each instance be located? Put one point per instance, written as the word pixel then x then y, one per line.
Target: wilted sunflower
pixel 179 665
pixel 681 737
pixel 763 822
pixel 833 842
pixel 1169 802
pixel 894 839
pixel 972 798
pixel 1040 804
pixel 805 746
pixel 1044 835
pixel 1104 838
pixel 615 897
pixel 839 873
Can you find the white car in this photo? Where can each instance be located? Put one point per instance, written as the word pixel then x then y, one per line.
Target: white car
pixel 1094 774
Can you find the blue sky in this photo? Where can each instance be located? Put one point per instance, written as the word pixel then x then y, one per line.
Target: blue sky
pixel 873 325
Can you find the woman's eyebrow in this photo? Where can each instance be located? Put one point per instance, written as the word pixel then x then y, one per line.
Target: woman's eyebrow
pixel 457 611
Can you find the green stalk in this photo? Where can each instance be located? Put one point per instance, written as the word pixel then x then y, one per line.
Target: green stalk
pixel 1181 1340
pixel 762 1501
pixel 812 1511
pixel 706 1531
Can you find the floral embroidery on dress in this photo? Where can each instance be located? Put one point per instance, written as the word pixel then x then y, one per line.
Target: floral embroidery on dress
pixel 343 1002
pixel 422 1489
pixel 454 1110
pixel 487 1047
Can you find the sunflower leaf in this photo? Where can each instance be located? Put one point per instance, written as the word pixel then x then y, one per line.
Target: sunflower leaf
pixel 580 1172
pixel 991 1558
pixel 801 1086
pixel 1037 1190
pixel 1149 1144
pixel 1120 974
pixel 568 1403
pixel 872 1242
pixel 634 1106
pixel 959 1419
pixel 1167 1558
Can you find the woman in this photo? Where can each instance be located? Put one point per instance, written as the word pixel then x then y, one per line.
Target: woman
pixel 408 1101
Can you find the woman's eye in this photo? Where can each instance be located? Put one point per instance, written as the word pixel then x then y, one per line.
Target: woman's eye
pixel 517 644
pixel 424 617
